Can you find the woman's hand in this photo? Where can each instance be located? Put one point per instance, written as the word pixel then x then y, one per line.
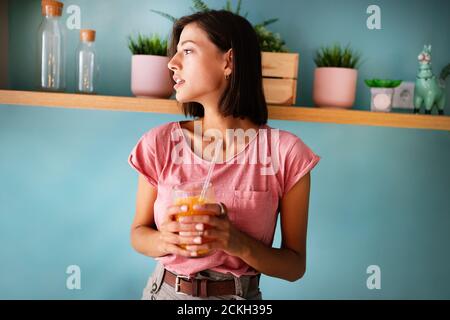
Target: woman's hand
pixel 173 233
pixel 221 234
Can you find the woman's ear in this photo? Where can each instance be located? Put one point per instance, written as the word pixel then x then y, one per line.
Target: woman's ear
pixel 229 62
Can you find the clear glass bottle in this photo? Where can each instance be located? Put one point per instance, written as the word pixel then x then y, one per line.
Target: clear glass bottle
pixel 87 63
pixel 51 48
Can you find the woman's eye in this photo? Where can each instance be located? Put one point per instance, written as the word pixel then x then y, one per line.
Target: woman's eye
pixel 187 51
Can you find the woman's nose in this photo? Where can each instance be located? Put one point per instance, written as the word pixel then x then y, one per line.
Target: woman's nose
pixel 173 64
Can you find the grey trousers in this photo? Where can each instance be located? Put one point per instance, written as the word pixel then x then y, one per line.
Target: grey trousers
pixel 156 289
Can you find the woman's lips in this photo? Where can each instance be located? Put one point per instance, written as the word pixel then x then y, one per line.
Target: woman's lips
pixel 179 84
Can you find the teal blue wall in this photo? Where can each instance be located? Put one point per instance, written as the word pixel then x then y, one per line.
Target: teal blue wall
pixel 378 197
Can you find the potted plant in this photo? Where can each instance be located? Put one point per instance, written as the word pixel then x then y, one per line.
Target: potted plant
pixel 382 91
pixel 279 67
pixel 150 76
pixel 335 77
pixel 268 41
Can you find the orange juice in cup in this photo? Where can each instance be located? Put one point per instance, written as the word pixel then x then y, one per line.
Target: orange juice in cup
pixel 188 194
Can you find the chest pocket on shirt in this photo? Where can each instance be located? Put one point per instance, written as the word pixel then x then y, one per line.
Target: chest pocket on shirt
pixel 254 212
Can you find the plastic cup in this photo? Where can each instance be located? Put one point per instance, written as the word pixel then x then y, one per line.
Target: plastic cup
pixel 189 194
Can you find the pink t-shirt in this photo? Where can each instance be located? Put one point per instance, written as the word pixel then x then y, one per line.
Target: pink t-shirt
pixel 250 184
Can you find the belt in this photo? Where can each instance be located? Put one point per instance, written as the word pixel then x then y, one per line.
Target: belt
pixel 203 287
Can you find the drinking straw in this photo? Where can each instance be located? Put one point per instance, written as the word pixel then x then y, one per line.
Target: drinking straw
pixel 211 168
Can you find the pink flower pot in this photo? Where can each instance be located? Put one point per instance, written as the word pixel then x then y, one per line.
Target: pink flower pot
pixel 335 87
pixel 150 77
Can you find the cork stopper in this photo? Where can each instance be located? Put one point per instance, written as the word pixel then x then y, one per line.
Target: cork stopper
pixel 51 8
pixel 87 35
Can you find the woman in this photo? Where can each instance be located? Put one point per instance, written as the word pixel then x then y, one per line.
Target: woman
pixel 216 64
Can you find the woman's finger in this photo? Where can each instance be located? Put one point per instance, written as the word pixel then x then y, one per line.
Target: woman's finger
pixel 201 220
pixel 170 237
pixel 207 208
pixel 173 210
pixel 177 239
pixel 174 249
pixel 174 226
pixel 214 234
pixel 205 246
pixel 190 233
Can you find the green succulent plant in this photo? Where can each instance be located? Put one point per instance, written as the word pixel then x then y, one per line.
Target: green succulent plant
pixel 268 40
pixel 338 57
pixel 148 45
pixel 382 83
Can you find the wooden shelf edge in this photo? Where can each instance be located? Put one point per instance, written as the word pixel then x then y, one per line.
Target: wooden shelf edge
pixel 84 101
pixel 336 116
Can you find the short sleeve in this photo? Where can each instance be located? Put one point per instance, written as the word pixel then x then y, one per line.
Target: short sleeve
pixel 299 161
pixel 143 158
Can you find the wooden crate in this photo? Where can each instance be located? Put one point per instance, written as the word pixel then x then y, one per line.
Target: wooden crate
pixel 280 77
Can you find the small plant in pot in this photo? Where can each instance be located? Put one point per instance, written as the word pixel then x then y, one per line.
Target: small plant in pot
pixel 335 77
pixel 382 91
pixel 150 76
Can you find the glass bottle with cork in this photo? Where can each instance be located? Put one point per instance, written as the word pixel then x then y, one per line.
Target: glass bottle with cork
pixel 87 63
pixel 51 61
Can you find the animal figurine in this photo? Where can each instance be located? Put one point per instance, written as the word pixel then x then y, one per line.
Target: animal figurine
pixel 429 90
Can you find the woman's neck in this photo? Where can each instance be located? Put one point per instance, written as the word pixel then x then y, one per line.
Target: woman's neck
pixel 214 120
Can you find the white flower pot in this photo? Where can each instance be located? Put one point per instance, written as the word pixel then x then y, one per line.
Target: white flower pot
pixel 381 99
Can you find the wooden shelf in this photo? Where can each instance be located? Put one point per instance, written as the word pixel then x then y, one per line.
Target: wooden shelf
pixel 353 117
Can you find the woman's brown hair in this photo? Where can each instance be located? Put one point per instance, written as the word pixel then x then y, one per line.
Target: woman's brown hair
pixel 244 96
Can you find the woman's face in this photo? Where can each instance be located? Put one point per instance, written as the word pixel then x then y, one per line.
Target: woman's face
pixel 201 66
